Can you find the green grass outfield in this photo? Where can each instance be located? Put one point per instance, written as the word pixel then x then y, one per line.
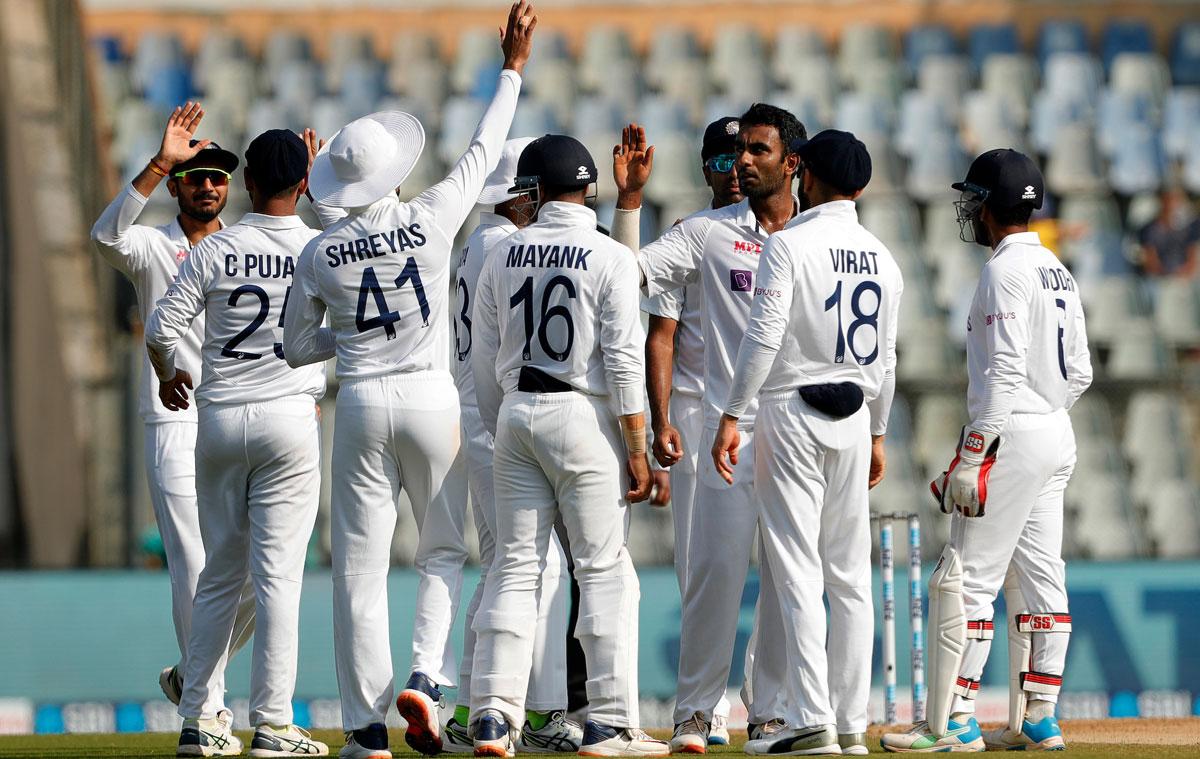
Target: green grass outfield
pixel 163 744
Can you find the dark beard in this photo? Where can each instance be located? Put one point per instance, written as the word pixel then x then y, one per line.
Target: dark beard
pixel 981 232
pixel 201 216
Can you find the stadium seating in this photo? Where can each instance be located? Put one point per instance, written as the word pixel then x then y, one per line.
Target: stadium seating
pixel 1112 118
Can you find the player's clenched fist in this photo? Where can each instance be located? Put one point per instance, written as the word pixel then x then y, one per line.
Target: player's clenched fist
pixel 517 39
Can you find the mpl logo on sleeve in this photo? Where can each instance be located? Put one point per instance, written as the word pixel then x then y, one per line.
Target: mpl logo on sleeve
pixel 746 246
pixel 741 280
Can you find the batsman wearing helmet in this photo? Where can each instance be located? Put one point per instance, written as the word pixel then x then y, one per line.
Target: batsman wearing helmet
pixel 1027 362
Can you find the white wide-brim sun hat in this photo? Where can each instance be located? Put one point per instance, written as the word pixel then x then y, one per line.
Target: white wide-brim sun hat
pixel 366 159
pixel 496 186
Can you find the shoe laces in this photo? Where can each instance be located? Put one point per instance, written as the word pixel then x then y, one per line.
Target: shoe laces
pixel 695 724
pixel 638 734
pixel 559 717
pixel 772 726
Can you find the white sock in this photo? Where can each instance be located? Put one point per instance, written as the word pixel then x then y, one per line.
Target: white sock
pixel 1038 710
pixel 961 717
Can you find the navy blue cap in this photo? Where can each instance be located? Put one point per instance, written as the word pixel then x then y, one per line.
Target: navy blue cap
pixel 1006 179
pixel 720 137
pixel 556 160
pixel 211 156
pixel 277 159
pixel 837 158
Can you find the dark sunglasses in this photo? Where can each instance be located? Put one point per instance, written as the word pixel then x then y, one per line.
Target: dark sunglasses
pixel 197 177
pixel 721 164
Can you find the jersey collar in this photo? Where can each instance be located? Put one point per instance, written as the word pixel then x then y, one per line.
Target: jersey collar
pixel 1019 238
pixel 176 234
pixel 271 222
pixel 841 210
pixel 489 219
pixel 569 214
pixel 746 218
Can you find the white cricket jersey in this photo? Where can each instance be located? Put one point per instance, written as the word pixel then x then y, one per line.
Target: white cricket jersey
pixel 827 307
pixel 1027 350
pixel 493 229
pixel 683 306
pixel 241 280
pixel 150 257
pixel 561 297
pixel 719 249
pixel 383 273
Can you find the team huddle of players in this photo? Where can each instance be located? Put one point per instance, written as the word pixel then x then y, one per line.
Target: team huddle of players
pixel 772 344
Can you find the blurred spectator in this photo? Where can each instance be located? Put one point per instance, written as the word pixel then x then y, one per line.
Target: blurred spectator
pixel 1168 244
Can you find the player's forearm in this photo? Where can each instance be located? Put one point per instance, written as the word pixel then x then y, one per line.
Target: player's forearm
pixel 880 407
pixel 996 404
pixel 119 216
pixel 633 430
pixel 308 346
pixel 155 171
pixel 660 359
pixel 754 362
pixel 162 359
pixel 626 227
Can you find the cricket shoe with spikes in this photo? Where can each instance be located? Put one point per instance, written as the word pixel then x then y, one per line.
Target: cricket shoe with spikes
pixel 493 736
pixel 797 741
pixel 285 741
pixel 558 736
pixel 606 740
pixel 959 736
pixel 1043 735
pixel 456 738
pixel 209 737
pixel 418 704
pixel 370 742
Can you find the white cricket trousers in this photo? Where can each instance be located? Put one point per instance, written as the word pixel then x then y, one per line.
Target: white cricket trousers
pixel 1022 524
pixel 687 416
pixel 392 432
pixel 724 521
pixel 258 486
pixel 559 453
pixel 170 451
pixel 812 472
pixel 548 677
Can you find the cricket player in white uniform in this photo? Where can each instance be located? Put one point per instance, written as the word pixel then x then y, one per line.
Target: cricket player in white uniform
pixel 821 347
pixel 559 380
pixel 675 361
pixel 719 249
pixel 383 276
pixel 545 729
pixel 197 173
pixel 1027 364
pixel 257 452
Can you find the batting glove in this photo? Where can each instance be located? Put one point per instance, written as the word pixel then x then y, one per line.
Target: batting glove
pixel 963 487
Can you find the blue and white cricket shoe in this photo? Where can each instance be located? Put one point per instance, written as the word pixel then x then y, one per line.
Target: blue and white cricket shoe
pixel 288 740
pixel 959 736
pixel 1043 735
pixel 493 736
pixel 209 737
pixel 418 704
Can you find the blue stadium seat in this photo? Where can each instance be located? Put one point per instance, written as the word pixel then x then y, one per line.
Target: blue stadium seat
pixel 534 119
pixel 1181 120
pixel 1185 55
pixel 1051 114
pixel 108 48
pixel 1118 114
pixel 155 51
pixel 925 40
pixel 986 40
pixel 598 114
pixel 168 87
pixel 1125 36
pixel 934 169
pixel 362 83
pixel 662 116
pixel 1137 164
pixel 1064 36
pixel 862 114
pixel 921 114
pixel 671 44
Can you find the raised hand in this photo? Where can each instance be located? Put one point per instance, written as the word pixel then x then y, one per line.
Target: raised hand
pixel 176 142
pixel 313 144
pixel 633 160
pixel 517 39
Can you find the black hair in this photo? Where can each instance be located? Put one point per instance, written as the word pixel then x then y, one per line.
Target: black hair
pixel 268 189
pixel 1015 216
pixel 765 114
pixel 550 191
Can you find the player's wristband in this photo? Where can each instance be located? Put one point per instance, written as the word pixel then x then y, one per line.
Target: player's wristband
pixel 157 169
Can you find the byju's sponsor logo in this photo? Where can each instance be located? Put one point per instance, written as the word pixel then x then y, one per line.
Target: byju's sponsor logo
pixel 741 280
